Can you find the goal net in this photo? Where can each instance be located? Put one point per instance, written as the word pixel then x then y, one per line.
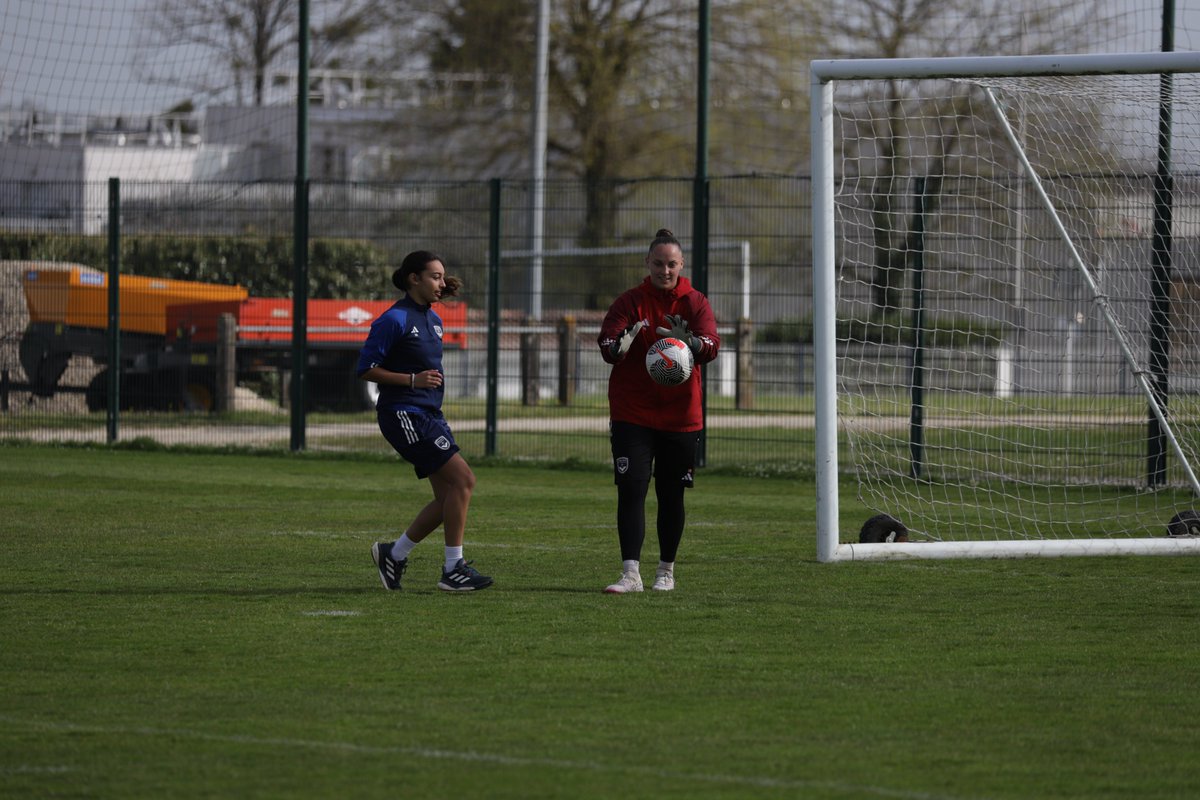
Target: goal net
pixel 1006 276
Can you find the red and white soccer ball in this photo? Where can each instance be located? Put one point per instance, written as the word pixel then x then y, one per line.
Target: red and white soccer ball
pixel 669 362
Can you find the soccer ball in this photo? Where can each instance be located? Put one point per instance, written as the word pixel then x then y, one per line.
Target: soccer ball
pixel 669 362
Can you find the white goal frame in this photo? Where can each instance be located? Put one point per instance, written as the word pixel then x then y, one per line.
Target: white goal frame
pixel 824 74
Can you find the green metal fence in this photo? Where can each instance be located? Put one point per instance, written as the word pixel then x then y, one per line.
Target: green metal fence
pixel 524 377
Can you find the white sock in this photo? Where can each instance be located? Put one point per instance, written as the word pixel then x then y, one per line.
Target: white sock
pixel 631 566
pixel 667 567
pixel 402 547
pixel 453 555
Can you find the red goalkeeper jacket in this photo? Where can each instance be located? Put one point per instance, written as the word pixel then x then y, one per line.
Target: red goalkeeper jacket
pixel 633 396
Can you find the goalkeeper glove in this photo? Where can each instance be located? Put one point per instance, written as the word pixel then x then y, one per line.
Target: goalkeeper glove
pixel 621 346
pixel 679 330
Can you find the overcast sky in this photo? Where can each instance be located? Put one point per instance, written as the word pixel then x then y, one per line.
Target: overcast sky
pixel 78 56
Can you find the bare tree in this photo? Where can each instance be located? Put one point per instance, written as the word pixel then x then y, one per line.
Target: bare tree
pixel 246 38
pixel 624 75
pixel 243 37
pixel 622 84
pixel 910 28
pixel 599 55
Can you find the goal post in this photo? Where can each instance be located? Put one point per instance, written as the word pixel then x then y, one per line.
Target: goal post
pixel 998 362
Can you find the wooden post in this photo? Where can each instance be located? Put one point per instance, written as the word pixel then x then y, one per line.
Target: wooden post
pixel 745 365
pixel 530 368
pixel 226 362
pixel 566 360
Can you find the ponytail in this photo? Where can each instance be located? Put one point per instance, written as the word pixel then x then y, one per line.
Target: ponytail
pixel 414 264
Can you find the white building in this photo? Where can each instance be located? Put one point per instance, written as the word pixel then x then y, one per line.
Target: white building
pixel 54 168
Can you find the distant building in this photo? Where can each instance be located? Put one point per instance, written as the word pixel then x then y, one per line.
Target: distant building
pixel 54 167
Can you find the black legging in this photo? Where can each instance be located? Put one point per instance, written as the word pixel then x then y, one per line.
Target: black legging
pixel 631 517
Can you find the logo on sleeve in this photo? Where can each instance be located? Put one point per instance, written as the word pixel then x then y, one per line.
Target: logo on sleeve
pixel 438 330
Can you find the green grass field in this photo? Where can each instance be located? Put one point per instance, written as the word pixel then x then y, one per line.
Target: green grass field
pixel 180 625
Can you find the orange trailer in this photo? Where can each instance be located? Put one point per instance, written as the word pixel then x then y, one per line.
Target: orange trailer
pixel 169 341
pixel 78 296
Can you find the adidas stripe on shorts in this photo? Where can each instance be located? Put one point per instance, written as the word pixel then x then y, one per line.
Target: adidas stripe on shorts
pixel 422 438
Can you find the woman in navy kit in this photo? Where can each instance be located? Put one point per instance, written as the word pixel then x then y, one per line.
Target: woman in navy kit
pixel 403 355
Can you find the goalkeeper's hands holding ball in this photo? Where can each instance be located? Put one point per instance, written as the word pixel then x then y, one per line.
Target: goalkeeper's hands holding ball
pixel 625 341
pixel 677 328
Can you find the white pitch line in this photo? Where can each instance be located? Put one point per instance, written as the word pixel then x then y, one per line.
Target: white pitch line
pixel 550 548
pixel 852 789
pixel 569 528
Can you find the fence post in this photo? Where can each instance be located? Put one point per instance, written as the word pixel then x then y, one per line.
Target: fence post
pixel 298 390
pixel 226 361
pixel 744 390
pixel 114 308
pixel 566 360
pixel 298 387
pixel 493 316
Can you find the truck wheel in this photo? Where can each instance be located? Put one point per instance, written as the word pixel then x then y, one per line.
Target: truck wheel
pixel 139 393
pixel 198 397
pixel 200 390
pixel 43 365
pixel 132 392
pixel 96 395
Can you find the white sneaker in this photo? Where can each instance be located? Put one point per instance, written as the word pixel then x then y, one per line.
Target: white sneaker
pixel 664 580
pixel 629 582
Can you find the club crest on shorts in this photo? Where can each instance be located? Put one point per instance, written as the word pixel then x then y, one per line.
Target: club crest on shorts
pixel 442 443
pixel 623 465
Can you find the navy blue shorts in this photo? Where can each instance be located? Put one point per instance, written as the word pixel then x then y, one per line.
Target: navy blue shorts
pixel 422 437
pixel 637 451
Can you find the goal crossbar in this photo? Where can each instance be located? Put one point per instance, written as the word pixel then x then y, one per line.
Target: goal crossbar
pixel 840 69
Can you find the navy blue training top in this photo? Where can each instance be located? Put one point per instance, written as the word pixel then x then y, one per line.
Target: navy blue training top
pixel 406 338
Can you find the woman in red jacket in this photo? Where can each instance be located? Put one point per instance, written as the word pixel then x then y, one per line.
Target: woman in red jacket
pixel 655 428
